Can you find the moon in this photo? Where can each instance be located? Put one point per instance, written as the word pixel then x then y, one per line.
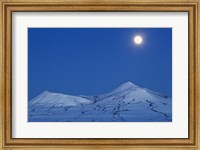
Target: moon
pixel 138 40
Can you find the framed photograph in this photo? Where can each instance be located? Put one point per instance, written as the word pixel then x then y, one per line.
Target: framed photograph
pixel 106 75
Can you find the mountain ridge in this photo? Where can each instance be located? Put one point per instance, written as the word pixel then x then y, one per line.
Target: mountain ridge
pixel 127 102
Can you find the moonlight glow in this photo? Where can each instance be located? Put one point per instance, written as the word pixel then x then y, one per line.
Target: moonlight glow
pixel 138 39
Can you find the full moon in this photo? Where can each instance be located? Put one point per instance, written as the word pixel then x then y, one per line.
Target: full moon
pixel 138 39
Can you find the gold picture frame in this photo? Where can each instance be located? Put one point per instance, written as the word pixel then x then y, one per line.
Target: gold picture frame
pixel 9 6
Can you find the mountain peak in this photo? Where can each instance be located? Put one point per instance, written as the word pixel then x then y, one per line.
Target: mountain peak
pixel 46 92
pixel 125 86
pixel 129 84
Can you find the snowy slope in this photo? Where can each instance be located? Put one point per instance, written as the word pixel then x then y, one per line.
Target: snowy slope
pixel 127 103
pixel 58 99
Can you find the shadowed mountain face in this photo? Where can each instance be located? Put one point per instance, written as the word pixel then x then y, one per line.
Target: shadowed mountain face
pixel 127 103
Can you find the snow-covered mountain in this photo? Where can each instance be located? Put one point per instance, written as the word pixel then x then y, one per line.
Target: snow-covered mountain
pixel 127 103
pixel 58 99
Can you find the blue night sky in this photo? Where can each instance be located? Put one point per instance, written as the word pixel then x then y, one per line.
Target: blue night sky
pixel 91 61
